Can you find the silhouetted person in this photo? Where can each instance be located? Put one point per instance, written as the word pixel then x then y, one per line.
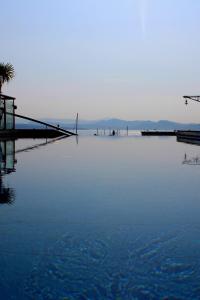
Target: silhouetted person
pixel 113 132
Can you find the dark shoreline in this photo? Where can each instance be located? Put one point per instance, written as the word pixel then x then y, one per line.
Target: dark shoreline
pixel 30 133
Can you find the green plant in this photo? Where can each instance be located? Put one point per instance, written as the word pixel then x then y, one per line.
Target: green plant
pixel 6 73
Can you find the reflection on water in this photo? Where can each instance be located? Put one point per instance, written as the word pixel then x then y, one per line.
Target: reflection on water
pixel 194 161
pixel 187 140
pixel 7 157
pixel 7 195
pixel 39 145
pixel 7 166
pixel 8 162
pixel 102 218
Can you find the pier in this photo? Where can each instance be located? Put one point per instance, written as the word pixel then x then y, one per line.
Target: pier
pixel 7 123
pixel 188 136
pixel 158 133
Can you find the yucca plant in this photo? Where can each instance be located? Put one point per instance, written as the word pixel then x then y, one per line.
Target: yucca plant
pixel 6 73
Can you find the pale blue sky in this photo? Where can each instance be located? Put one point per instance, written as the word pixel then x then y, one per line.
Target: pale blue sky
pixel 130 59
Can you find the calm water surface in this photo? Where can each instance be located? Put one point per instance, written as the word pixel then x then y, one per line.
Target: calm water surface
pixel 112 218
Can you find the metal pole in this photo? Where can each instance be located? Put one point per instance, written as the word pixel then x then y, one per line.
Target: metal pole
pixel 4 114
pixel 76 123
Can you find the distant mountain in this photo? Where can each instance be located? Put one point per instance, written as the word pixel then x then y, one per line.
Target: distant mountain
pixel 140 125
pixel 115 124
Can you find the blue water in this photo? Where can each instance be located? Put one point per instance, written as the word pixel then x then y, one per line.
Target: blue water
pixel 112 218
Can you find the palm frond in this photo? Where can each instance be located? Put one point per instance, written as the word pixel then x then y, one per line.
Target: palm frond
pixel 7 72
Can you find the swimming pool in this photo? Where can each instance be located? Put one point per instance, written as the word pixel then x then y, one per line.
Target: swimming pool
pixel 101 218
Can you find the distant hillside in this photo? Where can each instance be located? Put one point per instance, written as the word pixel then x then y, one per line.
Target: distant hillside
pixel 116 124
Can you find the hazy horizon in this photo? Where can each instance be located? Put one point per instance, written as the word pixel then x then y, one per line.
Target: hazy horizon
pixel 132 60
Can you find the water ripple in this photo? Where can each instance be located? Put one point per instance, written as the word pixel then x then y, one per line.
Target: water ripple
pixel 117 266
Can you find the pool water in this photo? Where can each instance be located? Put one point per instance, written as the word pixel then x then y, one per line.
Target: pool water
pixel 100 217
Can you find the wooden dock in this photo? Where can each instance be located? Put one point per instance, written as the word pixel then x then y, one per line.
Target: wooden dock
pixel 191 134
pixel 158 133
pixel 188 136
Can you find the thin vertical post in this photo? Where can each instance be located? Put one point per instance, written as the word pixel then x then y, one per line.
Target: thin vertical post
pixel 14 161
pixel 5 114
pixel 13 115
pixel 76 123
